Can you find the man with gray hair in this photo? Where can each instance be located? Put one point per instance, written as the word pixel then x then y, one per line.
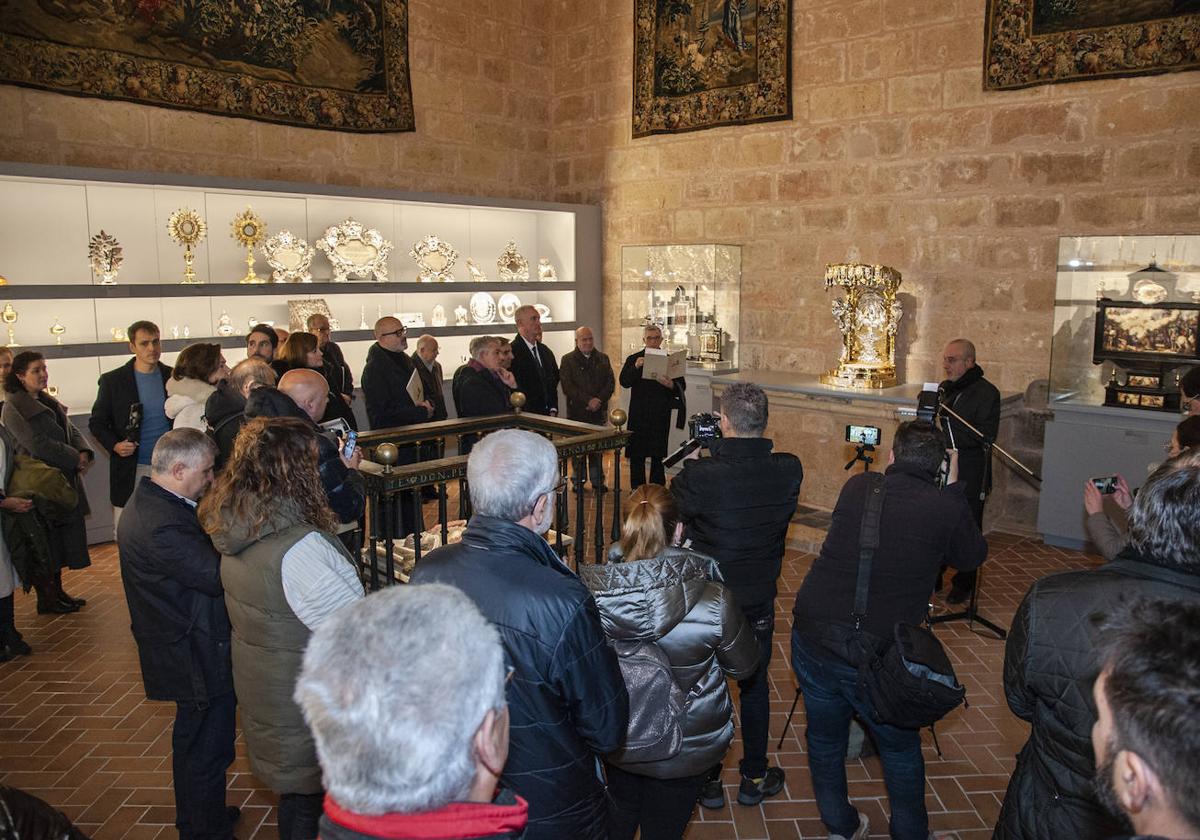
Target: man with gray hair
pixel 415 736
pixel 567 699
pixel 481 387
pixel 172 579
pixel 736 506
pixel 225 409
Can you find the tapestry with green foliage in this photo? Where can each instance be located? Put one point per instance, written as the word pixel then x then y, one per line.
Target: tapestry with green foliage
pixel 704 63
pixel 1037 42
pixel 332 64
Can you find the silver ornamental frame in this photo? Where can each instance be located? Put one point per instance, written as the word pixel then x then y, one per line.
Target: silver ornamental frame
pixel 433 245
pixel 507 307
pixel 350 232
pixel 285 242
pixel 513 267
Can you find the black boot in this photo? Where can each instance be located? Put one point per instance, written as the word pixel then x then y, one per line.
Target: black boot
pixel 11 643
pixel 63 596
pixel 49 599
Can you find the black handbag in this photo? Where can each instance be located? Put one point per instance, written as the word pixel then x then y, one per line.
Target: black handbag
pixel 907 678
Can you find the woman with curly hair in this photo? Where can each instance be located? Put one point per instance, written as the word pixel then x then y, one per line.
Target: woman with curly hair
pixel 284 572
pixel 197 371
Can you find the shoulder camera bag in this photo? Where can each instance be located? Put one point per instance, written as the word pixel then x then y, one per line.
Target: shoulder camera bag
pixel 908 678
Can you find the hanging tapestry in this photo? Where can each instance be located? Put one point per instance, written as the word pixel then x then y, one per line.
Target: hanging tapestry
pixel 1035 42
pixel 333 64
pixel 704 63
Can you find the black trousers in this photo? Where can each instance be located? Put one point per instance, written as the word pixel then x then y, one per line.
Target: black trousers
pixel 637 471
pixel 201 752
pixel 300 815
pixel 972 479
pixel 662 808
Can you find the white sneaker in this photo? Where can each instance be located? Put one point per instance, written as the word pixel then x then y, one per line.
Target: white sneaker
pixel 864 828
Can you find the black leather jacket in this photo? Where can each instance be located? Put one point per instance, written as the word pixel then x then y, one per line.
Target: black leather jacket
pixel 567 698
pixel 25 817
pixel 1049 668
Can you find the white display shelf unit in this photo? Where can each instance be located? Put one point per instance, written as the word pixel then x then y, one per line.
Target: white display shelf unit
pixel 48 215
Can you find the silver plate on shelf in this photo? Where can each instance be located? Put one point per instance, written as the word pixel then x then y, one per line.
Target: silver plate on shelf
pixel 483 308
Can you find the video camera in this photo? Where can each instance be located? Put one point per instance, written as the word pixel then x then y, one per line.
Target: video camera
pixel 703 428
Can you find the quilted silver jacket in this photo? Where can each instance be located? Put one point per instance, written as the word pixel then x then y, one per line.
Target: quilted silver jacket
pixel 677 600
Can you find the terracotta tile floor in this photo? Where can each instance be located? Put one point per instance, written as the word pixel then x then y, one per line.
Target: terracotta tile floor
pixel 76 729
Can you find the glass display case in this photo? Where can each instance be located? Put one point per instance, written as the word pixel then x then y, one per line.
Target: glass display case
pixel 1126 320
pixel 83 257
pixel 692 291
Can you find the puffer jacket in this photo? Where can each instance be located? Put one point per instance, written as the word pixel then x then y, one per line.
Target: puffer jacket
pixel 676 600
pixel 25 817
pixel 567 700
pixel 1049 667
pixel 185 403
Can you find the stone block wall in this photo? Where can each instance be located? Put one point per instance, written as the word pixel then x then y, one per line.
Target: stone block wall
pixel 483 97
pixel 895 155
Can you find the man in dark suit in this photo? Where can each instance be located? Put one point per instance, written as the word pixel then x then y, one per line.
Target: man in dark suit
pixel 129 437
pixel 650 404
pixel 587 380
pixel 172 579
pixel 385 379
pixel 534 365
pixel 430 370
pixel 334 369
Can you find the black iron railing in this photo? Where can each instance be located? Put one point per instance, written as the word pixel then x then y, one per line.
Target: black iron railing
pixel 396 492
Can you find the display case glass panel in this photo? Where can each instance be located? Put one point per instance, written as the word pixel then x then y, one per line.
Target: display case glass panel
pixel 1124 319
pixel 692 291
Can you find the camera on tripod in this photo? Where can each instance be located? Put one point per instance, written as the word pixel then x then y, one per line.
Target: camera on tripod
pixel 703 428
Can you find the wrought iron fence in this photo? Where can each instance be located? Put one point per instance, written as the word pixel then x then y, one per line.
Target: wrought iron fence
pixel 396 492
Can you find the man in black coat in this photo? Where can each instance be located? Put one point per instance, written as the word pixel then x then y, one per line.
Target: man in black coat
pixel 567 700
pixel 430 370
pixel 587 381
pixel 172 579
pixel 977 401
pixel 225 408
pixel 335 370
pixel 533 364
pixel 1050 660
pixel 921 526
pixel 481 387
pixel 650 404
pixel 736 507
pixel 129 437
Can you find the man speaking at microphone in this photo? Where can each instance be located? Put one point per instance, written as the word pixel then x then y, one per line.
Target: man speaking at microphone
pixel 977 401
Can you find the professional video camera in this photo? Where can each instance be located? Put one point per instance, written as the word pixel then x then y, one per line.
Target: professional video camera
pixel 703 428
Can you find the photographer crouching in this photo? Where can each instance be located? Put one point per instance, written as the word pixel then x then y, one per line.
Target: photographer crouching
pixel 736 506
pixel 919 527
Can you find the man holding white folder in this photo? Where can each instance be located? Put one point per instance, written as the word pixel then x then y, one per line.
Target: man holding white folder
pixel 652 397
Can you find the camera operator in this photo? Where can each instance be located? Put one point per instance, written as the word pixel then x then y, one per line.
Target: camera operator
pixel 736 506
pixel 921 527
pixel 977 401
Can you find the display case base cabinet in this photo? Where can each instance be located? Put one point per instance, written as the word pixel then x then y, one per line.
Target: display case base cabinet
pixel 1084 442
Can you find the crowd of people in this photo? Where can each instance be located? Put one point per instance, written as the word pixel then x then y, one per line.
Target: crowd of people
pixel 536 702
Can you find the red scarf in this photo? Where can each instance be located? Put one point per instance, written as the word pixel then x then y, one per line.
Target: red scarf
pixel 455 820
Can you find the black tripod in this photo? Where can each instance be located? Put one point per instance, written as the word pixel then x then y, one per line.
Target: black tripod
pixel 860 454
pixel 971 613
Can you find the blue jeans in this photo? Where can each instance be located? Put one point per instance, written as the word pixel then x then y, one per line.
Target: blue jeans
pixel 201 751
pixel 829 703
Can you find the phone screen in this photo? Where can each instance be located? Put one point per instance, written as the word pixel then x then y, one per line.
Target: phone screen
pixel 351 440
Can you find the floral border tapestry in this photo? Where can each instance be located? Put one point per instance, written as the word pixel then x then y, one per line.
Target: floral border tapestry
pixel 703 63
pixel 1036 42
pixel 331 64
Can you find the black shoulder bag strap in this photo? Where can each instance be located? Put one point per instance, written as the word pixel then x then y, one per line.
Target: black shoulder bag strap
pixel 868 541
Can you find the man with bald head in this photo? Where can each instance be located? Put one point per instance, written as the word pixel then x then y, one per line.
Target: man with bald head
pixel 977 401
pixel 587 380
pixel 385 380
pixel 533 364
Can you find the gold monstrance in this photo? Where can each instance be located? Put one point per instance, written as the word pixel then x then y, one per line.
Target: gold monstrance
pixel 187 228
pixel 867 317
pixel 249 230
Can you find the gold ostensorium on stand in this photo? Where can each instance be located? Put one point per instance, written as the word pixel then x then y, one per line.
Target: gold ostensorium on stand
pixel 867 315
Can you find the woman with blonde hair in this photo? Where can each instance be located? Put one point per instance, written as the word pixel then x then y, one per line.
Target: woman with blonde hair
pixel 284 572
pixel 652 590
